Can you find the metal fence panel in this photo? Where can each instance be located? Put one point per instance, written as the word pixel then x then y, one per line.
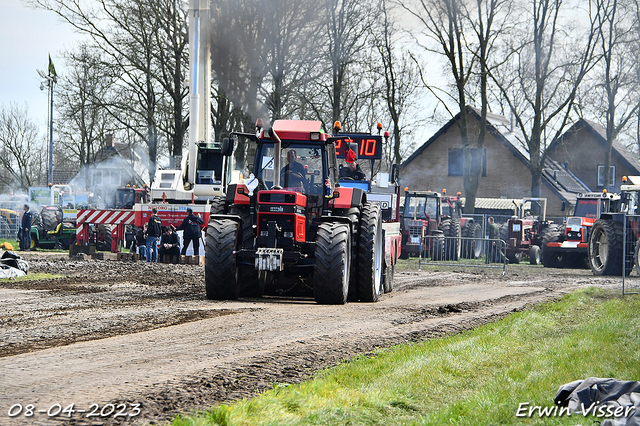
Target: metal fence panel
pixel 463 251
pixel 630 261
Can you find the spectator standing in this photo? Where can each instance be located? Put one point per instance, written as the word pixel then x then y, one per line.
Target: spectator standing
pixel 154 230
pixel 27 217
pixel 495 252
pixel 169 244
pixel 140 242
pixel 192 232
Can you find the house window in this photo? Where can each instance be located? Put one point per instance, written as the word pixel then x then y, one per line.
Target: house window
pixel 97 177
pixel 456 160
pixel 612 175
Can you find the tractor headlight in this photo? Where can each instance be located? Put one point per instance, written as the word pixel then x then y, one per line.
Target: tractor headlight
pixel 264 233
pixel 288 234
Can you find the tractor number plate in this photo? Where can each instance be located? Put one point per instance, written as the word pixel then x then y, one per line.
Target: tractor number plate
pixel 576 228
pixel 415 240
pixel 269 259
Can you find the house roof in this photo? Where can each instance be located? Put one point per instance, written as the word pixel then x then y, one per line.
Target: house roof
pixel 557 178
pixel 617 148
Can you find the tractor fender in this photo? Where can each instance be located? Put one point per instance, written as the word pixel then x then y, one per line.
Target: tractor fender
pixel 348 197
pixel 341 219
pixel 233 217
pixel 235 197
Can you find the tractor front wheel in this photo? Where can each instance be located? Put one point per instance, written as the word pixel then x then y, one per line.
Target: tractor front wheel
pixel 332 264
pixel 220 269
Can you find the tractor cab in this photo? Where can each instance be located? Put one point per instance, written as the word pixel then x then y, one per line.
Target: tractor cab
pixel 420 217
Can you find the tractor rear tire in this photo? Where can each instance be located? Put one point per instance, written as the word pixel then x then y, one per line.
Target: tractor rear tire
pixel 247 274
pixel 551 259
pixel 370 254
pixel 605 247
pixel 49 219
pixel 332 264
pixel 472 247
pixel 220 270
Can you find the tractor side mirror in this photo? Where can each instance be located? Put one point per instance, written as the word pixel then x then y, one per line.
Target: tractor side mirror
pixel 227 146
pixel 395 173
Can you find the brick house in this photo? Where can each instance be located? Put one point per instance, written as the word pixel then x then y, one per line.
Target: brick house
pixel 437 164
pixel 581 149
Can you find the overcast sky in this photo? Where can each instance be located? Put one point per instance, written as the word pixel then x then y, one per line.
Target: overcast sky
pixel 28 36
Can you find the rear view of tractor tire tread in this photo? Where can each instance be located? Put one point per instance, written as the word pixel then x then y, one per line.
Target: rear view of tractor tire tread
pixel 221 279
pixel 605 247
pixel 49 219
pixel 332 264
pixel 472 248
pixel 551 234
pixel 451 230
pixel 370 254
pixel 247 274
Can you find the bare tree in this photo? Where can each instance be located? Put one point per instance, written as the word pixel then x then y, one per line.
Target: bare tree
pixel 20 150
pixel 83 122
pixel 400 78
pixel 449 24
pixel 142 44
pixel 546 61
pixel 616 81
pixel 346 24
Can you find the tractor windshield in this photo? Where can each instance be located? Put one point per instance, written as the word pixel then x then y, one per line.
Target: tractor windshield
pixel 300 167
pixel 421 207
pixel 589 208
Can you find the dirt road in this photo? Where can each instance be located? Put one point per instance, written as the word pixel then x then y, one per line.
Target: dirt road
pixel 132 343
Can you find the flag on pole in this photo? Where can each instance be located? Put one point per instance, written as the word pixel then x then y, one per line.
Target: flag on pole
pixel 52 69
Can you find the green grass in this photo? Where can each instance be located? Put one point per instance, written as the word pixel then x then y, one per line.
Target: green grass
pixel 33 277
pixel 473 378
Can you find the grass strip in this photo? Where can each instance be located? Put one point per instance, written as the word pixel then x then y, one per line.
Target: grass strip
pixel 478 377
pixel 33 277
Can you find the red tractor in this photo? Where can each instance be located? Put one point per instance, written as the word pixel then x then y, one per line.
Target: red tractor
pixel 567 246
pixel 421 217
pixel 429 214
pixel 524 235
pixel 291 226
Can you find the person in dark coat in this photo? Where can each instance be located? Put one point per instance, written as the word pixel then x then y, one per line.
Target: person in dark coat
pixel 25 231
pixel 140 242
pixel 495 252
pixel 154 230
pixel 169 244
pixel 293 175
pixel 352 171
pixel 192 232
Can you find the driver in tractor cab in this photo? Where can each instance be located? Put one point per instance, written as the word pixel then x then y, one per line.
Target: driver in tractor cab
pixel 353 170
pixel 293 174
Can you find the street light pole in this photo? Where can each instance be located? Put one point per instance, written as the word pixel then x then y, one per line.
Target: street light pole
pixel 49 80
pixel 50 174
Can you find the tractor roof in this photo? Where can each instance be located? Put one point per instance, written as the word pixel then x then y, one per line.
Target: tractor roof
pixel 298 129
